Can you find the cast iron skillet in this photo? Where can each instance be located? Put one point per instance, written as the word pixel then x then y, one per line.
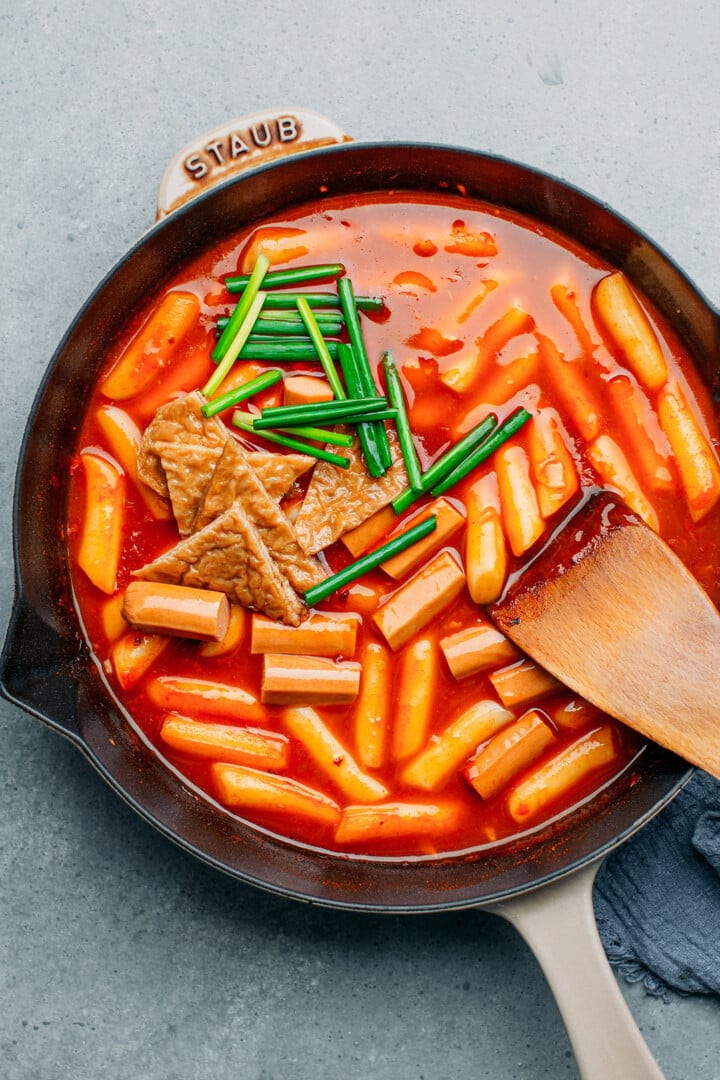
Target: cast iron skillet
pixel 46 666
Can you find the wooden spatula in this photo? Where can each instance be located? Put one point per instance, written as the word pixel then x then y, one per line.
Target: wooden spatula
pixel 613 613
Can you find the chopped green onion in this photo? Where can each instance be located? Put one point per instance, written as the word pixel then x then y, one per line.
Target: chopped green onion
pixel 368 562
pixel 243 421
pixel 292 334
pixel 323 300
pixel 501 434
pixel 320 411
pixel 289 351
pixel 334 438
pixel 353 418
pixel 238 316
pixel 282 330
pixel 290 312
pixel 366 431
pixel 276 278
pixel 271 327
pixel 352 321
pixel 284 350
pixel 240 393
pixel 293 328
pixel 330 323
pixel 362 364
pixel 446 463
pixel 233 349
pixel 321 348
pixel 402 423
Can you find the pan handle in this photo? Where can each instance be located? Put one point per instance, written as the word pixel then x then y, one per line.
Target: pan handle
pixel 238 145
pixel 40 670
pixel 558 923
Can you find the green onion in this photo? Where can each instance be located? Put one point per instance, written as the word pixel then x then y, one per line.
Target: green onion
pixel 283 314
pixel 240 393
pixel 293 328
pixel 284 351
pixel 320 411
pixel 243 421
pixel 281 300
pixel 288 351
pixel 263 329
pixel 294 333
pixel 402 423
pixel 290 312
pixel 262 423
pixel 232 350
pixel 384 445
pixel 335 438
pixel 276 278
pixel 362 364
pixel 365 430
pixel 321 348
pixel 352 321
pixel 368 562
pixel 330 323
pixel 446 463
pixel 297 329
pixel 501 434
pixel 255 280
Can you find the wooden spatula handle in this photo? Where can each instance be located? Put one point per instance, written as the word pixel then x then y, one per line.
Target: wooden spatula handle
pixel 616 616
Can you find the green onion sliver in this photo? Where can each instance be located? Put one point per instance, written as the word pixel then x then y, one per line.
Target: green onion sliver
pixel 362 364
pixel 368 562
pixel 334 438
pixel 293 328
pixel 320 411
pixel 238 316
pixel 286 322
pixel 352 321
pixel 287 350
pixel 402 423
pixel 241 393
pixel 296 276
pixel 233 349
pixel 325 301
pixel 262 423
pixel 321 347
pixel 446 463
pixel 275 329
pixel 243 421
pixel 366 431
pixel 501 434
pixel 290 311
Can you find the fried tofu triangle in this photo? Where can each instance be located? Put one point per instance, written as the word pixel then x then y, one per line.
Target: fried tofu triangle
pixel 235 481
pixel 179 441
pixel 229 555
pixel 179 423
pixel 340 499
pixel 188 471
pixel 278 472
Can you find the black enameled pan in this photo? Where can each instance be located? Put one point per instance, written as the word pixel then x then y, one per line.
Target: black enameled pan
pixel 245 171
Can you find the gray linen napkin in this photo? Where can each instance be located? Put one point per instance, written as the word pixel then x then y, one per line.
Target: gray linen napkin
pixel 657 898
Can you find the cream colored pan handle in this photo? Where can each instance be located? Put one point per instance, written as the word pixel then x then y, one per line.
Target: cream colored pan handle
pixel 558 923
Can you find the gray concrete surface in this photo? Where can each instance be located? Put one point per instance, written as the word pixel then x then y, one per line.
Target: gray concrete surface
pixel 121 957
